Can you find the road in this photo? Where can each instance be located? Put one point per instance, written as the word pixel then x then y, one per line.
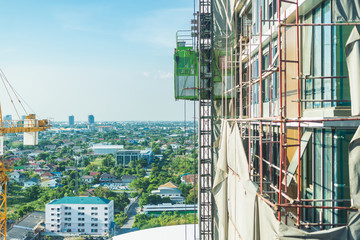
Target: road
pixel 130 221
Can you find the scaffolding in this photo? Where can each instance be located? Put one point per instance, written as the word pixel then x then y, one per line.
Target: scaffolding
pixel 205 171
pixel 265 127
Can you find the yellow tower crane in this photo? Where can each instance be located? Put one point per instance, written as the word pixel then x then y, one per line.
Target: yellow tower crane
pixel 28 126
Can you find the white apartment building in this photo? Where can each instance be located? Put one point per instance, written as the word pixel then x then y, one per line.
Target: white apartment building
pixel 86 215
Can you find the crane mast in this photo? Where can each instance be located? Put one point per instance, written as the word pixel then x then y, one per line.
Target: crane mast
pixel 29 125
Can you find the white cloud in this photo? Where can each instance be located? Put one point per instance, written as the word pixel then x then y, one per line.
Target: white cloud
pixel 164 75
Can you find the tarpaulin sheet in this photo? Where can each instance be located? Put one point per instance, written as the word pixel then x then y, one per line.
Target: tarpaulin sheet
pixel 346 10
pixel 220 184
pixel 354 168
pixel 352 51
pixel 248 216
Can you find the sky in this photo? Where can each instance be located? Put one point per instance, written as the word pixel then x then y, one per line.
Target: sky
pixel 112 59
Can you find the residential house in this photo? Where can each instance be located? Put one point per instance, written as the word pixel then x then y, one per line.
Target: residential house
pixel 70 168
pixel 50 183
pixel 29 227
pixel 189 179
pixel 87 179
pixel 31 182
pixel 127 179
pixel 34 165
pixel 17 177
pixel 57 174
pixel 108 178
pixel 170 190
pixel 40 171
pixel 46 176
pixel 94 173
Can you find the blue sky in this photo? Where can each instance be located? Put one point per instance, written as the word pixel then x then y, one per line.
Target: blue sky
pixel 112 58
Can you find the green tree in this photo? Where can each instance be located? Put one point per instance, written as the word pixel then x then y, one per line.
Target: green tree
pixel 32 193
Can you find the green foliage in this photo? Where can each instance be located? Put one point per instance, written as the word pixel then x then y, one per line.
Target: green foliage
pixel 120 199
pixel 120 218
pixel 108 161
pixel 134 194
pixel 185 188
pixel 147 198
pixel 183 164
pixel 32 193
pixel 143 221
pixel 140 184
pixel 192 197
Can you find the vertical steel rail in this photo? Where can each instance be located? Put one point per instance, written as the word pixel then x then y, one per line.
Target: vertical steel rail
pixel 298 110
pixel 281 108
pixel 205 44
pixel 249 104
pixel 260 102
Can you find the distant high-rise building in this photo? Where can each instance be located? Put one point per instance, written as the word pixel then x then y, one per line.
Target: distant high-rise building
pixel 8 117
pixel 91 119
pixel 71 120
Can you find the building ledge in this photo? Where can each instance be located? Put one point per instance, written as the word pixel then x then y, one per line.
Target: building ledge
pixel 328 112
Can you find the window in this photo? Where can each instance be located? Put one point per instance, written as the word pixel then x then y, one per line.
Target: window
pixel 67 208
pixel 105 214
pixel 94 219
pixel 324 56
pixel 81 230
pixel 81 213
pixel 105 219
pixel 105 225
pixel 52 214
pixel 94 224
pixel 105 208
pixel 325 173
pixel 67 213
pixel 81 208
pixel 67 224
pixel 52 220
pixel 81 219
pixel 94 230
pixel 94 214
pixel 52 209
pixel 94 208
pixel 67 219
pixel 81 224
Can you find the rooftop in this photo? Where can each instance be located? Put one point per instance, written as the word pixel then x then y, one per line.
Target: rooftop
pixel 168 185
pixel 108 147
pixel 80 200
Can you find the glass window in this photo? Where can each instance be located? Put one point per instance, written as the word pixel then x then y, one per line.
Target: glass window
pixel 317 58
pixel 327 54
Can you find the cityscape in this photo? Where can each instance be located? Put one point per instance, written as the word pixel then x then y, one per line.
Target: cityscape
pixel 102 179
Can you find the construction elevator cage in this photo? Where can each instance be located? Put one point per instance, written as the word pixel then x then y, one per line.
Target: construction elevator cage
pixel 186 81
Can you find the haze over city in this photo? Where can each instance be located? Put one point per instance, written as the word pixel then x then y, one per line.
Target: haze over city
pixel 113 59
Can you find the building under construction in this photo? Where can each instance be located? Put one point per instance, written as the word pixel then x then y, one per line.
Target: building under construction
pixel 278 90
